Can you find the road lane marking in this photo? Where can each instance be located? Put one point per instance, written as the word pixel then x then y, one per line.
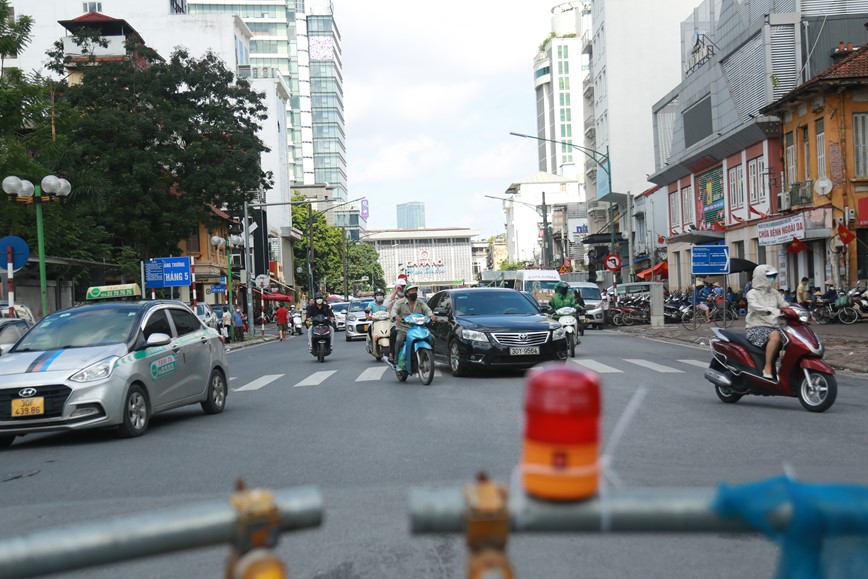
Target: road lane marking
pixel 597 367
pixel 259 382
pixel 697 363
pixel 653 366
pixel 316 378
pixel 372 374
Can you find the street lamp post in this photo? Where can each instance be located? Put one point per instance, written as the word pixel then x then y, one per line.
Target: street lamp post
pixel 232 242
pixel 598 157
pixel 541 210
pixel 25 192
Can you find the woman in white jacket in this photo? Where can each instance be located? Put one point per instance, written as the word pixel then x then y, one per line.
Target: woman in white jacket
pixel 764 305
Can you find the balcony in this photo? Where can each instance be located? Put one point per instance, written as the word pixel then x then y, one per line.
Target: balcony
pixel 116 47
pixel 588 87
pixel 587 42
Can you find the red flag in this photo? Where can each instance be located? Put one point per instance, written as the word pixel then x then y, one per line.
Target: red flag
pixel 718 225
pixel 845 234
pixel 660 239
pixel 737 218
pixel 755 211
pixel 796 245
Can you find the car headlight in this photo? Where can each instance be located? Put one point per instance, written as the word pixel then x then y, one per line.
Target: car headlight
pixel 99 371
pixel 474 336
pixel 558 333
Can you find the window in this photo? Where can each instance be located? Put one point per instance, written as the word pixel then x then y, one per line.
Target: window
pixel 753 180
pixel 790 159
pixel 566 116
pixel 762 177
pixel 564 83
pixel 91 6
pixel 860 144
pixel 192 243
pixel 806 154
pixel 821 150
pixel 157 323
pixel 736 187
pixel 185 322
pixel 687 204
pixel 674 208
pixel 565 99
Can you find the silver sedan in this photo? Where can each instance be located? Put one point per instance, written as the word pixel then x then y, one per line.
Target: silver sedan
pixel 110 365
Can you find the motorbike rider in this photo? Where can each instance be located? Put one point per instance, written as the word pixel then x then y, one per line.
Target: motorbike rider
pixel 831 293
pixel 764 305
pixel 319 307
pixel 378 306
pixel 405 306
pixel 563 298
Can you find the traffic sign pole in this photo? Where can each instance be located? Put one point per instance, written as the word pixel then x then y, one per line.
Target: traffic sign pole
pixel 10 282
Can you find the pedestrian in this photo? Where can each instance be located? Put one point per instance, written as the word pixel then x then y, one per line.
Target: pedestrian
pixel 238 324
pixel 803 294
pixel 282 316
pixel 227 324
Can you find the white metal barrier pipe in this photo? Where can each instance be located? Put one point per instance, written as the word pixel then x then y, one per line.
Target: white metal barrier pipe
pixel 623 511
pixel 131 537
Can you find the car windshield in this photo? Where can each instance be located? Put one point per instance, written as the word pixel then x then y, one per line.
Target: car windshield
pixel 545 285
pixel 80 328
pixel 360 305
pixel 339 308
pixel 492 303
pixel 590 293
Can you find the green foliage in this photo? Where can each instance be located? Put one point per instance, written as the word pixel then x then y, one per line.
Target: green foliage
pixel 166 139
pixel 545 42
pixel 363 261
pixel 511 266
pixel 14 34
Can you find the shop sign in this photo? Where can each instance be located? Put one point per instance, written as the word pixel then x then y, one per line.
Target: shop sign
pixel 425 264
pixel 780 231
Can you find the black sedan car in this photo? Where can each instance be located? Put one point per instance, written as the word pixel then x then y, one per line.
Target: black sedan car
pixel 490 326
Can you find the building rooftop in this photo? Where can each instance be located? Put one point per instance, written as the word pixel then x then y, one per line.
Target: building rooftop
pixel 435 232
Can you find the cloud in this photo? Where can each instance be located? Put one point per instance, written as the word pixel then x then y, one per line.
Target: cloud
pixel 497 162
pixel 398 160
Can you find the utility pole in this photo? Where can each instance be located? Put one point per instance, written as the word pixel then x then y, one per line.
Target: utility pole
pixel 311 289
pixel 346 267
pixel 545 216
pixel 630 235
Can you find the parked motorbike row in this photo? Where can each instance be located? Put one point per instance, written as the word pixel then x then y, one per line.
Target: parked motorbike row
pixel 630 310
pixel 849 308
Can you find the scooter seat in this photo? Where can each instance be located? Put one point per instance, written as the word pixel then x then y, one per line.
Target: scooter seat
pixel 741 339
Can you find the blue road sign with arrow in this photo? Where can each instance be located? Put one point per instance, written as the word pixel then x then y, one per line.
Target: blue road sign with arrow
pixel 710 260
pixel 20 252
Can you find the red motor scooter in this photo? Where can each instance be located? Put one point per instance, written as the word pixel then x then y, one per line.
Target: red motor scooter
pixel 736 369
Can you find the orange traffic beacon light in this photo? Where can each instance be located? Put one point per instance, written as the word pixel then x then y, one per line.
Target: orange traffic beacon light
pixel 560 458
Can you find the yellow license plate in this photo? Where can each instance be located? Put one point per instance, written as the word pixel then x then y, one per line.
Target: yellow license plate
pixel 28 406
pixel 365 328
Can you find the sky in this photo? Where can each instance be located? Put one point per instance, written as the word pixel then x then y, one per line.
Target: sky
pixel 431 92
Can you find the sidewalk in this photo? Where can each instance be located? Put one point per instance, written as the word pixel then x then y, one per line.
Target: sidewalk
pixel 258 338
pixel 846 346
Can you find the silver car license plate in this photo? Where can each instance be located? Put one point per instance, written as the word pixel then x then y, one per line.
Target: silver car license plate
pixel 526 351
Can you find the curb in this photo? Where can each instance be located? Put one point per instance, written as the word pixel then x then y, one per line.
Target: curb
pixel 703 341
pixel 255 341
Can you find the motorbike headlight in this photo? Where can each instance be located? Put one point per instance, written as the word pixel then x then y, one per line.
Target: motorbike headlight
pixel 474 336
pixel 99 371
pixel 559 334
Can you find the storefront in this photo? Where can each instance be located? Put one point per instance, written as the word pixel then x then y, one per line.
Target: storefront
pixel 817 259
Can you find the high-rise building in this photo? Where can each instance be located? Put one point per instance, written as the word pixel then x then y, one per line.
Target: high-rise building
pixel 411 215
pixel 558 72
pixel 302 41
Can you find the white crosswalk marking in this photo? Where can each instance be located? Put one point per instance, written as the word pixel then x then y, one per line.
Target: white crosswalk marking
pixel 316 378
pixel 597 367
pixel 372 374
pixel 653 366
pixel 259 382
pixel 697 363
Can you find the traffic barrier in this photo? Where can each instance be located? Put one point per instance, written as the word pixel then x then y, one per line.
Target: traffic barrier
pixel 181 528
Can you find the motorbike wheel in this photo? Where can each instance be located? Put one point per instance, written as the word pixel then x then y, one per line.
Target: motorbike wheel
pixel 402 376
pixel 725 393
pixel 848 315
pixel 627 319
pixel 320 352
pixel 618 319
pixel 378 354
pixel 571 342
pixel 819 394
pixel 455 360
pixel 425 365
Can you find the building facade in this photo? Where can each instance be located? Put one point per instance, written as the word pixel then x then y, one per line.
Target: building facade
pixel 434 258
pixel 411 215
pixel 558 72
pixel 718 155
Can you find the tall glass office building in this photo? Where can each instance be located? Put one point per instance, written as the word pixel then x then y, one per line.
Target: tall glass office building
pixel 411 215
pixel 301 40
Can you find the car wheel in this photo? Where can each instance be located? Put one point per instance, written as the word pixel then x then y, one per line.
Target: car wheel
pixel 348 338
pixel 455 360
pixel 215 401
pixel 6 440
pixel 136 413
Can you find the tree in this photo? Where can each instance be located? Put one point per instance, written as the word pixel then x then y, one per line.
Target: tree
pixel 14 33
pixel 327 245
pixel 364 261
pixel 169 139
pixel 511 266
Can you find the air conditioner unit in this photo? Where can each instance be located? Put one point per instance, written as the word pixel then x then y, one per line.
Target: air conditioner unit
pixel 785 201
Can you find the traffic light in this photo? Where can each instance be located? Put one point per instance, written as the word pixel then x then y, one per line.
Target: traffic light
pixel 256 535
pixel 560 458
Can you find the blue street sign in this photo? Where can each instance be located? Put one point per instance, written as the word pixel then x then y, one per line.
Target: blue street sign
pixel 365 209
pixel 710 260
pixel 218 289
pixel 20 252
pixel 176 271
pixel 167 272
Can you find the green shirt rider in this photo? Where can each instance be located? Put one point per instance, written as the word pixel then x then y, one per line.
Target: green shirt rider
pixel 563 298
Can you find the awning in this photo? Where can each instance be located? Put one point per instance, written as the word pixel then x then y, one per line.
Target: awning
pixel 273 296
pixel 661 269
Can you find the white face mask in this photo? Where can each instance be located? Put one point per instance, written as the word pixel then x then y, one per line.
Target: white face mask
pixel 379 299
pixel 400 293
pixel 319 302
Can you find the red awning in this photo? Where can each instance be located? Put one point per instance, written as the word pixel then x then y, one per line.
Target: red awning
pixel 661 269
pixel 274 296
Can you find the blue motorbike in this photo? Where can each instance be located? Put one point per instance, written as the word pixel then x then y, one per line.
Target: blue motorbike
pixel 417 355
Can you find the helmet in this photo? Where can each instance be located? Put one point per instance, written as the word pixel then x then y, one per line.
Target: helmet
pixel 379 291
pixel 318 295
pixel 411 286
pixel 562 287
pixel 401 281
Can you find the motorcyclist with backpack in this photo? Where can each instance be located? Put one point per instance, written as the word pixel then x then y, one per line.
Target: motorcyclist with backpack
pixel 318 307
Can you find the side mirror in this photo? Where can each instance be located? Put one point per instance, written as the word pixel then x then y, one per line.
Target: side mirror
pixel 545 308
pixel 157 339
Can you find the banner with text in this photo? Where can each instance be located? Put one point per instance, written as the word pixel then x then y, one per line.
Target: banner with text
pixel 779 231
